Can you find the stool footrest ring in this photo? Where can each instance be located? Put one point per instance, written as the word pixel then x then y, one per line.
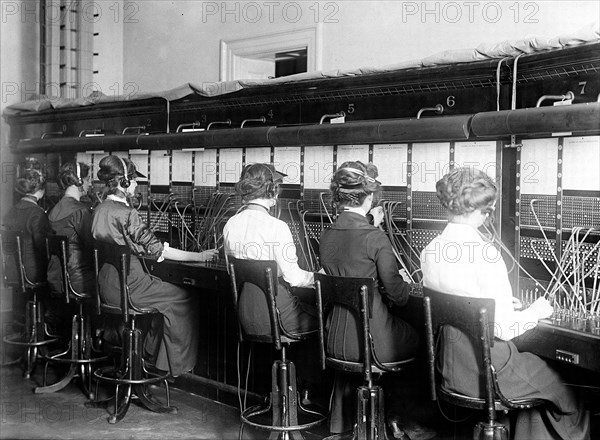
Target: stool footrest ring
pixel 20 340
pixel 61 360
pixel 104 374
pixel 260 409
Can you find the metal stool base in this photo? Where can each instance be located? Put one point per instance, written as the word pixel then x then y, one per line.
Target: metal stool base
pixel 80 349
pixel 34 338
pixel 283 405
pixel 490 431
pixel 370 416
pixel 131 380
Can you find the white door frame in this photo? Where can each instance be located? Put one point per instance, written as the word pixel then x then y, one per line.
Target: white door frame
pixel 262 45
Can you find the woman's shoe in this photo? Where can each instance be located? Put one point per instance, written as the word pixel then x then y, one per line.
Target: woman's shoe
pixel 410 431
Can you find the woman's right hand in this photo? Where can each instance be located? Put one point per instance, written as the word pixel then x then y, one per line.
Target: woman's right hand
pixel 208 255
pixel 405 276
pixel 542 307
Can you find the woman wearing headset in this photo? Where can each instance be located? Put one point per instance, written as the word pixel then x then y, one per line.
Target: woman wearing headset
pixel 29 218
pixel 354 248
pixel 253 234
pixel 477 270
pixel 73 218
pixel 115 221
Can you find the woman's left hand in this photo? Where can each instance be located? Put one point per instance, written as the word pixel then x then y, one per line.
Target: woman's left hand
pixel 517 305
pixel 377 214
pixel 405 276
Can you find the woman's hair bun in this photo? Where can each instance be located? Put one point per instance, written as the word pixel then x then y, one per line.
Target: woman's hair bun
pixel 258 181
pixel 464 190
pixel 67 175
pixel 352 182
pixel 31 181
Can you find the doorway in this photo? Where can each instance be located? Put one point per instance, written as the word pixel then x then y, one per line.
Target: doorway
pixel 271 56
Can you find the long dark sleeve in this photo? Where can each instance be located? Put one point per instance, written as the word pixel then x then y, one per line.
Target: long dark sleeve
pixel 396 290
pixel 144 240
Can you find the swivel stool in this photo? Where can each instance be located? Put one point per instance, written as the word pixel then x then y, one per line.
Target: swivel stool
pixel 80 353
pixel 132 377
pixel 34 336
pixel 356 294
pixel 287 414
pixel 475 318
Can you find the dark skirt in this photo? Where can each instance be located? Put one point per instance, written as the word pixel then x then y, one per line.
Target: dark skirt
pixel 298 313
pixel 520 376
pixel 83 278
pixel 178 347
pixel 397 341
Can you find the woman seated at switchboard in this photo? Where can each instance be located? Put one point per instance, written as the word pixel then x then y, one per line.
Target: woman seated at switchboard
pixel 73 218
pixel 476 269
pixel 353 247
pixel 115 221
pixel 30 219
pixel 254 234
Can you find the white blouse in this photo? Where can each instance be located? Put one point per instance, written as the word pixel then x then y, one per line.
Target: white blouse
pixel 255 235
pixel 461 262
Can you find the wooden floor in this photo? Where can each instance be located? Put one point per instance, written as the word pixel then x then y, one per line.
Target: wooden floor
pixel 63 415
pixel 25 415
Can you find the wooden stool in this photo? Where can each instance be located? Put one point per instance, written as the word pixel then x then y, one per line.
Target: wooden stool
pixel 356 295
pixel 283 403
pixel 442 309
pixel 34 336
pixel 131 378
pixel 80 348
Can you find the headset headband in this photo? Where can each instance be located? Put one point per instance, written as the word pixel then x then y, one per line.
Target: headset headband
pixel 124 167
pixel 274 174
pixel 360 173
pixel 270 172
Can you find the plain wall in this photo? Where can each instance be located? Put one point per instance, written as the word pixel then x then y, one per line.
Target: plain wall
pixel 170 43
pixel 19 79
pixel 155 45
pixel 19 76
pixel 108 45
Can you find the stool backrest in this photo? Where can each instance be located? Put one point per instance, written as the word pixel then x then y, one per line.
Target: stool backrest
pixel 57 246
pixel 263 274
pixel 118 256
pixel 355 294
pixel 13 270
pixel 472 316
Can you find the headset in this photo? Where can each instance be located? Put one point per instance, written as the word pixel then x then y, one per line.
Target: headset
pixel 124 181
pixel 489 210
pixel 78 173
pixel 360 173
pixel 271 185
